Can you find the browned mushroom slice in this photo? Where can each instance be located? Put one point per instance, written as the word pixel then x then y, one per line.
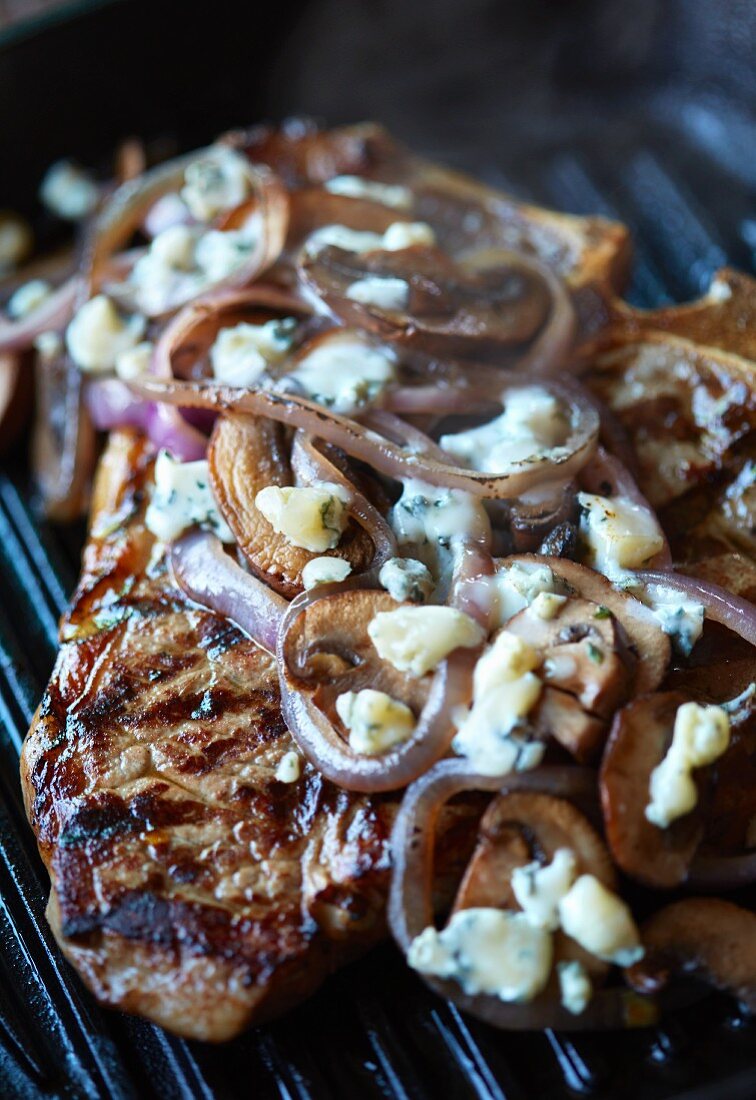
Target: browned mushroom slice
pixel 707 937
pixel 645 638
pixel 328 652
pixel 454 308
pixel 560 715
pixel 520 828
pixel 584 653
pixel 639 739
pixel 245 455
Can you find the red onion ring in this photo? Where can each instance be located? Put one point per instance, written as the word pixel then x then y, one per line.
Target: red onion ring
pixel 112 404
pixel 52 314
pixel 381 454
pixel 410 908
pixel 720 606
pixel 327 750
pixel 439 400
pixel 211 578
pixel 550 350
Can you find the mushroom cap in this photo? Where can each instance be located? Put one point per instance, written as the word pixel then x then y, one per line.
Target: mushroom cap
pixel 639 739
pixel 518 828
pixel 707 937
pixel 328 652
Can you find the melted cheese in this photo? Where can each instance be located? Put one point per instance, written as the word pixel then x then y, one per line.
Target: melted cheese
pixel 398 236
pixel 345 372
pixel 98 334
pixel 355 187
pixel 220 181
pixel 289 768
pixel 600 922
pixel 241 353
pixel 406 579
pixel 417 639
pixel 617 534
pixel 375 721
pixel 489 951
pixel 532 424
pixel 380 291
pixel 312 517
pixel 181 498
pixel 28 298
pixel 701 735
pixel 325 571
pixel 69 192
pixel 539 889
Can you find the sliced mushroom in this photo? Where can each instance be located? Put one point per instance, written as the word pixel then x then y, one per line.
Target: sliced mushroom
pixel 64 445
pixel 638 742
pixel 646 640
pixel 453 307
pixel 560 715
pixel 519 828
pixel 328 652
pixel 707 937
pixel 584 653
pixel 245 455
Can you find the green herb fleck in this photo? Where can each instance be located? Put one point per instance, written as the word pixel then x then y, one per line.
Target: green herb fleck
pixel 602 612
pixel 595 654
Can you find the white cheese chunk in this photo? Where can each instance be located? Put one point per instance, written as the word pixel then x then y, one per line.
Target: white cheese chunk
pixel 289 768
pixel 417 639
pixel 517 587
pixel 241 353
pixel 134 362
pixel 547 605
pixel 182 497
pixel 345 372
pixel 375 721
pixel 98 334
pixel 184 260
pixel 398 236
pixel 436 521
pixel 325 571
pixel 28 298
pixel 682 619
pixel 312 516
pixel 493 736
pixel 532 424
pixel 701 735
pixel 217 182
pixel 355 187
pixel 406 579
pixel 617 534
pixel 68 191
pixel 383 292
pixel 600 922
pixel 575 986
pixel 539 888
pixel 491 951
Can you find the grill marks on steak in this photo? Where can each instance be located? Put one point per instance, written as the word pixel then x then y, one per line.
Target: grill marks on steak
pixel 188 883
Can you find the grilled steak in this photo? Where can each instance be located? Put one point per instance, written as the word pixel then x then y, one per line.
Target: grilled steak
pixel 188 883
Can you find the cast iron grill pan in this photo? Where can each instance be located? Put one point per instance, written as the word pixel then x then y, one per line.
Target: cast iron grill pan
pixel 373 1031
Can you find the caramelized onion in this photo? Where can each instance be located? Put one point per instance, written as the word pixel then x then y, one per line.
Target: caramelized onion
pixel 722 872
pixel 112 404
pixel 211 577
pixel 380 453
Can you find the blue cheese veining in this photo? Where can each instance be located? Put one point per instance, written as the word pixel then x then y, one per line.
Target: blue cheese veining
pixel 183 497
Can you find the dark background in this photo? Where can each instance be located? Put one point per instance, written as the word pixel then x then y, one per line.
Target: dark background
pixel 639 109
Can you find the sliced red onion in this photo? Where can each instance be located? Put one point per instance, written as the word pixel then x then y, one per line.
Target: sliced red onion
pixel 112 404
pixel 380 453
pixel 51 315
pixel 436 399
pixel 211 577
pixel 549 352
pixel 720 606
pixel 324 746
